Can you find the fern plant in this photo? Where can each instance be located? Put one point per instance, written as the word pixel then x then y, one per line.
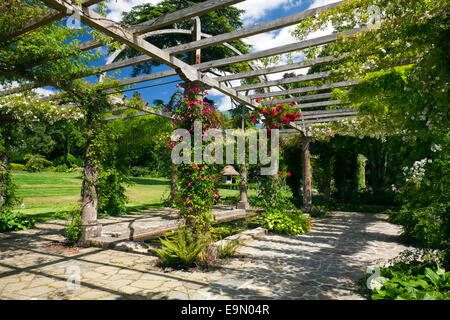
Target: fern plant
pixel 182 250
pixel 229 249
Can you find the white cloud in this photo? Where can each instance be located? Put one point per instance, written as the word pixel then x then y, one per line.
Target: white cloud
pixel 223 102
pixel 44 92
pixel 272 39
pixel 319 3
pixel 255 10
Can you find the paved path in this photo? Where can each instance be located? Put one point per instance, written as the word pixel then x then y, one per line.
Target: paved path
pixel 322 264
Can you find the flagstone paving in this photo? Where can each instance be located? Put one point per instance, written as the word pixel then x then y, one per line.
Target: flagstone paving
pixel 323 264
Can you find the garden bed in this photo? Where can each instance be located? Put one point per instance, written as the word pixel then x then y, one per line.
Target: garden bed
pixel 221 230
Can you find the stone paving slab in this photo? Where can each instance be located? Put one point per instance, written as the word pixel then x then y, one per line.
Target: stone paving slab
pixel 323 264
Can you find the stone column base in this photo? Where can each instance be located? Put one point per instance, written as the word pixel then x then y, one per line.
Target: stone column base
pixel 243 205
pixel 89 230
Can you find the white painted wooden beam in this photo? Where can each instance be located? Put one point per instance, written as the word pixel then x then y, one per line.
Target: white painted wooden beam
pixel 298 99
pixel 180 15
pixel 298 79
pixel 327 86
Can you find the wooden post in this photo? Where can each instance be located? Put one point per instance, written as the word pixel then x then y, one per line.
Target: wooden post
pixel 196 36
pixel 307 175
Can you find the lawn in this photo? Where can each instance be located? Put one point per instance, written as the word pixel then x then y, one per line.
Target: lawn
pixel 49 195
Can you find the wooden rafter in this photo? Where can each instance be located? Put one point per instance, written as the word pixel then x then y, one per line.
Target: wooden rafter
pixel 118 33
pixel 327 86
pixel 180 15
pixel 298 99
pixel 298 79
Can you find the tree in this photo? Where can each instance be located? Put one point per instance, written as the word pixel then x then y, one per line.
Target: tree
pixel 217 22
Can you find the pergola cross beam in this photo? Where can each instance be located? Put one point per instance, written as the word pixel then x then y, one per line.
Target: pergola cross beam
pixel 112 29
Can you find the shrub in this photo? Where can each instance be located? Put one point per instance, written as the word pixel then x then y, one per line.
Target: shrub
pixel 413 276
pixel 426 227
pixel 10 221
pixel 111 193
pixel 61 168
pixel 73 230
pixel 36 163
pixel 319 212
pixel 17 167
pixel 8 189
pixel 138 172
pixel 293 223
pixel 182 250
pixel 71 161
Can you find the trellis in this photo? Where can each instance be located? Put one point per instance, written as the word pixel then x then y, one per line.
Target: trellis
pixel 135 37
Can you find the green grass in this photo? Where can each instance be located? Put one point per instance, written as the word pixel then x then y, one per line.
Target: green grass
pixel 50 195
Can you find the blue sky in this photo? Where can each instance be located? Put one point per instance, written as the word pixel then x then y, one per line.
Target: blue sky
pixel 256 11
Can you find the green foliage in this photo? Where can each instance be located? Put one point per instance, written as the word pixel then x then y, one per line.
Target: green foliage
pixel 61 168
pixel 8 197
pixel 273 196
pixel 228 249
pixel 17 167
pixel 293 223
pixel 222 230
pixel 138 172
pixel 425 227
pixel 73 230
pixel 429 285
pixel 71 161
pixel 319 212
pixel 182 250
pixel 112 176
pixel 197 192
pixel 48 49
pixel 111 192
pixel 10 221
pixel 36 163
pixel 412 276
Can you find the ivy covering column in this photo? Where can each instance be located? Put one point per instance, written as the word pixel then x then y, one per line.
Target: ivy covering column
pixel 307 175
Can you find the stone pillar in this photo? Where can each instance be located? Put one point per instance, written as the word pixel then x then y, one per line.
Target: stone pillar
pixel 91 228
pixel 173 185
pixel 243 201
pixel 4 176
pixel 243 187
pixel 307 175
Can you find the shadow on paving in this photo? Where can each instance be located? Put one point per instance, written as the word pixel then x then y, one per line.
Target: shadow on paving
pixel 322 264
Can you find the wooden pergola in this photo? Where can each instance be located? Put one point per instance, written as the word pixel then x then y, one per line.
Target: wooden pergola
pixel 313 107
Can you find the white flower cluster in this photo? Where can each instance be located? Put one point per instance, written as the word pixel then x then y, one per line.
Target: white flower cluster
pixel 436 147
pixel 416 173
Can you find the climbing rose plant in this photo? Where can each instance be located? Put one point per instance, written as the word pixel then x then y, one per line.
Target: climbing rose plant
pixel 274 117
pixel 197 191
